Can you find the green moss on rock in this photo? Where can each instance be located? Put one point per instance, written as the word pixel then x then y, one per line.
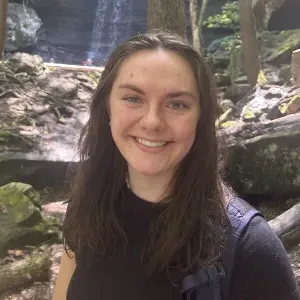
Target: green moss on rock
pixel 21 222
pixel 17 200
pixel 268 164
pixel 282 45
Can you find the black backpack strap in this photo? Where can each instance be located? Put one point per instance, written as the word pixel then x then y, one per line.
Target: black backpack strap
pixel 215 280
pixel 240 214
pixel 204 278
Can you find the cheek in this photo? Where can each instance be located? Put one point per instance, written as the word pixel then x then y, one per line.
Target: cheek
pixel 186 130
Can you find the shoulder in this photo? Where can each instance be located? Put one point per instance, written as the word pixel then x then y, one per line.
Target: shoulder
pixel 261 266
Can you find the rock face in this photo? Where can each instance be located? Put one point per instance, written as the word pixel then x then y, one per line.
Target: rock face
pixel 225 55
pixel 51 108
pixel 265 156
pixel 279 46
pixel 21 222
pixel 22 26
pixel 79 29
pixel 74 31
pixel 263 11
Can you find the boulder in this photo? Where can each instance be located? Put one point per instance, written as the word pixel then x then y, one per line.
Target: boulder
pixel 21 222
pixel 264 103
pixel 277 47
pixel 44 112
pixel 237 90
pixel 263 11
pixel 219 50
pixel 21 62
pixel 22 26
pixel 63 88
pixel 222 78
pixel 264 157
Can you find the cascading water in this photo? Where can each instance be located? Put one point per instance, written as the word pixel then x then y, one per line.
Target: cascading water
pixel 111 26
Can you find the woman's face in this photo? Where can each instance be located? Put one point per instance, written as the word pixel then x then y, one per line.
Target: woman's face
pixel 154 108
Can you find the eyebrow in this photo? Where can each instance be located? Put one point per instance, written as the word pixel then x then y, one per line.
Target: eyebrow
pixel 170 95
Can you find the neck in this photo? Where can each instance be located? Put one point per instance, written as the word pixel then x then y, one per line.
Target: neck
pixel 149 188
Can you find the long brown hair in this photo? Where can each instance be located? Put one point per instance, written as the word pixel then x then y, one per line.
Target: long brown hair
pixel 189 229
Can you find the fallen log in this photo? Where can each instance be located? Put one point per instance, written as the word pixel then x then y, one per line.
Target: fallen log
pixel 287 226
pixel 22 273
pixel 74 67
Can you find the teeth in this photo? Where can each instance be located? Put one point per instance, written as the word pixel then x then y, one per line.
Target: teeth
pixel 151 144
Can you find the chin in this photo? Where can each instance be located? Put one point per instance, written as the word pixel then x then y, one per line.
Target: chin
pixel 148 172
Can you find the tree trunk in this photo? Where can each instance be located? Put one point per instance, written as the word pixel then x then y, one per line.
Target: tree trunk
pixel 22 273
pixel 197 18
pixel 250 44
pixel 194 25
pixel 287 226
pixel 167 14
pixel 200 23
pixel 3 17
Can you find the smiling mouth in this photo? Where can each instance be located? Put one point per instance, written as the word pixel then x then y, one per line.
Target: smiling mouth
pixel 151 144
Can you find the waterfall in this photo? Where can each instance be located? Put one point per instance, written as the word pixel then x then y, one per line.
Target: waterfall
pixel 111 26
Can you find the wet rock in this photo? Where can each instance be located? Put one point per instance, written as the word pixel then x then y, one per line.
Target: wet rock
pixel 22 26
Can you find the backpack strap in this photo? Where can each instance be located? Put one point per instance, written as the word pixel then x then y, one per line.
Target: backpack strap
pixel 215 280
pixel 205 278
pixel 240 214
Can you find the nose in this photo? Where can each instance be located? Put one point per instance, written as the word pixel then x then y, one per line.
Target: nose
pixel 153 119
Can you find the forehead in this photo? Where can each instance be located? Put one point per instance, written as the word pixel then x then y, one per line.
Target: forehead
pixel 157 67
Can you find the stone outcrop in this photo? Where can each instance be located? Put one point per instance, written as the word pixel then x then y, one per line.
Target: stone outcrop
pixel 50 107
pixel 22 26
pixel 21 221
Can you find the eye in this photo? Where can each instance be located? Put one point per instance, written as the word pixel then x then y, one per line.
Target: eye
pixel 131 99
pixel 178 105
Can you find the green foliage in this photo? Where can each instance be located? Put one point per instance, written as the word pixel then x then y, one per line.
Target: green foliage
pixel 228 18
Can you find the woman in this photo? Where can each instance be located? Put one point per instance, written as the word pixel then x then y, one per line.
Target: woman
pixel 148 204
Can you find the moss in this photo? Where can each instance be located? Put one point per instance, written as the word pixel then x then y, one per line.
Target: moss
pixel 286 42
pixel 46 230
pixel 47 225
pixel 230 124
pixel 249 115
pixel 94 78
pixel 267 164
pixel 18 206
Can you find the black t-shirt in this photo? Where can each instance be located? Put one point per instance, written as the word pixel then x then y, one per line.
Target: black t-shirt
pixel 261 270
